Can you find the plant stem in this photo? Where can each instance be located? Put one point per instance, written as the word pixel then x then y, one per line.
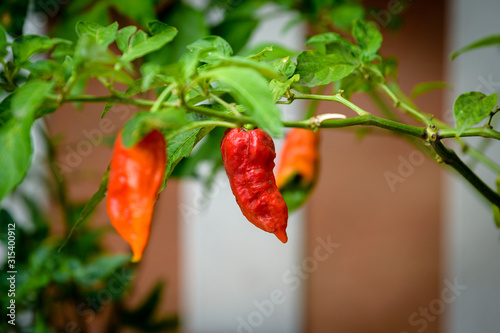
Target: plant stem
pixel 478 131
pixel 381 104
pixel 335 98
pixel 104 99
pixel 365 120
pixel 313 105
pixel 451 158
pixel 398 103
pixel 198 124
pixel 164 95
pixel 225 116
pixel 225 104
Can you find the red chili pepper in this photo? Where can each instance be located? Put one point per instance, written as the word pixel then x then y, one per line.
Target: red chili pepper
pixel 248 158
pixel 298 166
pixel 135 176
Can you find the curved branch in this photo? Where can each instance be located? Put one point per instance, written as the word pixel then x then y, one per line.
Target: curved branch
pixel 451 158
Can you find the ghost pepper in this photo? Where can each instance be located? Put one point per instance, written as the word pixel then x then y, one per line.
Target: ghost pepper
pixel 248 157
pixel 135 176
pixel 298 166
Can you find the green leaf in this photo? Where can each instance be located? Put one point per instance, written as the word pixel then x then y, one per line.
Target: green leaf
pixel 211 49
pixel 425 87
pixel 317 69
pixel 143 122
pixel 182 145
pixel 279 88
pixel 484 42
pixel 139 37
pixel 150 44
pixel 15 153
pixel 89 207
pixel 368 37
pixel 344 15
pixel 319 42
pixel 150 303
pixel 353 83
pixel 107 35
pixel 25 46
pixel 268 52
pixel 3 43
pixel 333 43
pixel 285 67
pixel 29 97
pixel 90 55
pixel 143 317
pixel 15 139
pixel 472 107
pixel 123 37
pixel 251 90
pixel 89 28
pixel 157 27
pixel 99 269
pixel 295 194
pixel 266 70
pixel 207 150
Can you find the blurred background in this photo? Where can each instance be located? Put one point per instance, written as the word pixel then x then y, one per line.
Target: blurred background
pixel 367 254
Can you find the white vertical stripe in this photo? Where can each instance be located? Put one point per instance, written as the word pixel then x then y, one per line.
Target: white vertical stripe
pixel 471 241
pixel 233 272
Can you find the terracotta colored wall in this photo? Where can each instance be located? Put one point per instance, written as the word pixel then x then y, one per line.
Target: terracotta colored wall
pixel 387 265
pixel 160 261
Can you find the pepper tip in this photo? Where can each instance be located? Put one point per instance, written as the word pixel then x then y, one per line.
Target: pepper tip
pixel 282 236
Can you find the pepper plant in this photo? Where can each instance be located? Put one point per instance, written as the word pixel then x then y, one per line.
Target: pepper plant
pixel 213 83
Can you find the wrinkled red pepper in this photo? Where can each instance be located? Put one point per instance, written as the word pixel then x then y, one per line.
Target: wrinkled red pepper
pixel 248 158
pixel 135 176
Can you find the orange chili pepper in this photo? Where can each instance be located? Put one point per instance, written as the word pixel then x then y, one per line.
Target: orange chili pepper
pixel 298 166
pixel 135 176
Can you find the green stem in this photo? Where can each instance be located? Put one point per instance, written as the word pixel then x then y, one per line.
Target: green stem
pixel 225 104
pixel 451 158
pixel 313 105
pixel 104 99
pixel 381 105
pixel 225 116
pixel 164 95
pixel 198 124
pixel 478 131
pixel 335 98
pixel 411 111
pixel 365 120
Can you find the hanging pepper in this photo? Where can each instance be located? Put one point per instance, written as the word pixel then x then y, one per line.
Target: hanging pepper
pixel 298 166
pixel 248 158
pixel 135 176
